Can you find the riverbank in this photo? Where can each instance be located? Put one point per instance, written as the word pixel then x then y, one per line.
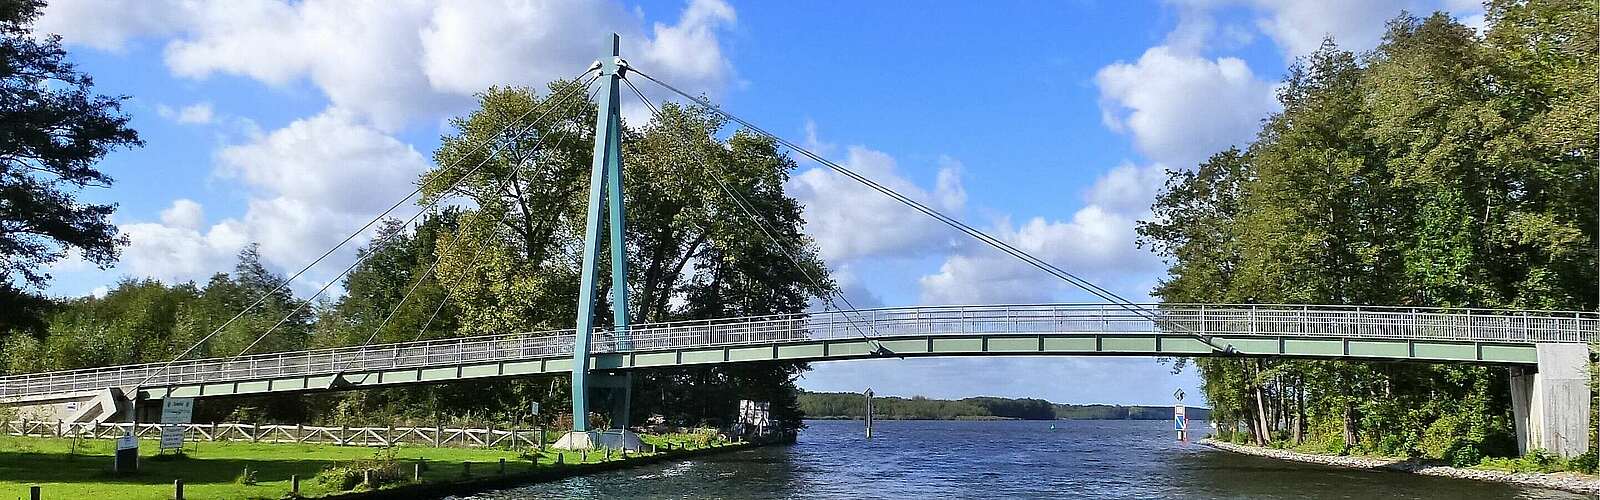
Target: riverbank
pixel 1564 481
pixel 64 469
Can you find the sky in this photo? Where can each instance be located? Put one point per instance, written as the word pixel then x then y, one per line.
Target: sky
pixel 1051 125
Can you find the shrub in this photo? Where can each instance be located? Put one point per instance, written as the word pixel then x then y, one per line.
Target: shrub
pixel 247 478
pixel 382 468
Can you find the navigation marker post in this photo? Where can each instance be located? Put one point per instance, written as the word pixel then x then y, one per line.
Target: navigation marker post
pixel 868 394
pixel 1180 420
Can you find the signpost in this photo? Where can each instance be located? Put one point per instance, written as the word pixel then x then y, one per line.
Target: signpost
pixel 754 415
pixel 127 458
pixel 174 413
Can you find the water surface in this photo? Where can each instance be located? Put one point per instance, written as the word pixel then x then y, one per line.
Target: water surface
pixel 1006 459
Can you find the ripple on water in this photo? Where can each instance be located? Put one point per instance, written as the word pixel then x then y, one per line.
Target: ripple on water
pixel 911 459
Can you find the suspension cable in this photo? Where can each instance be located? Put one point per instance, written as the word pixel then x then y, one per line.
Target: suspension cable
pixel 430 205
pixel 453 243
pixel 560 140
pixel 998 244
pixel 748 209
pixel 314 262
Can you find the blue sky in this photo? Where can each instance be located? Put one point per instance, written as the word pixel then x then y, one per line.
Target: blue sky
pixel 1050 124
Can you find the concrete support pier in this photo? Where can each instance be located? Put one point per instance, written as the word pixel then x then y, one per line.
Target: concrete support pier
pixel 1550 403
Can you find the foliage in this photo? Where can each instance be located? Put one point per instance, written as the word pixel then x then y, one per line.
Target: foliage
pixel 246 477
pixel 853 405
pixel 1541 461
pixel 56 129
pixel 1444 168
pixel 372 473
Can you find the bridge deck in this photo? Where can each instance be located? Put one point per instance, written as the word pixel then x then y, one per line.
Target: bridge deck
pixel 1474 336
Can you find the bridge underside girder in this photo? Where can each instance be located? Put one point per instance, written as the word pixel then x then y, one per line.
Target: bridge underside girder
pixel 1075 344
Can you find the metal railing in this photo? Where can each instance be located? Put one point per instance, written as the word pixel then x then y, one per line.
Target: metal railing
pixel 1231 320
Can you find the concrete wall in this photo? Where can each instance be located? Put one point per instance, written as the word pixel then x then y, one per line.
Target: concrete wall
pixel 1550 403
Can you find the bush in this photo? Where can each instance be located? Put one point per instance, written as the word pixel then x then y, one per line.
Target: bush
pixel 1539 461
pixel 1585 463
pixel 247 478
pixel 382 468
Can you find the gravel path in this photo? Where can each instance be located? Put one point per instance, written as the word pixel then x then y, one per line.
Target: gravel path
pixel 1566 481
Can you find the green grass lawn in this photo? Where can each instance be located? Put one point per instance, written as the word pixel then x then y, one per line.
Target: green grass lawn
pixel 211 471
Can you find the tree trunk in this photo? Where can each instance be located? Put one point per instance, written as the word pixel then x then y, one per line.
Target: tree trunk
pixel 1299 412
pixel 1350 434
pixel 1263 436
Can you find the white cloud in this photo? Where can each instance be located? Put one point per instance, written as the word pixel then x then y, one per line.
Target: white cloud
pixel 851 221
pixel 395 62
pixel 1298 26
pixel 1180 109
pixel 184 213
pixel 176 254
pixel 193 114
pixel 1128 189
pixel 110 24
pixel 310 184
pixel 316 180
pixel 1095 244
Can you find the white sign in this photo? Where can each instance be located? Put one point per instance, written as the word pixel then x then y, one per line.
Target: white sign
pixel 177 410
pixel 1180 421
pixel 755 413
pixel 171 437
pixel 127 442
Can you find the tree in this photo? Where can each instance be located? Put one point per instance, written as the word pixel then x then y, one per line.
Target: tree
pixel 1444 168
pixel 53 131
pixel 694 245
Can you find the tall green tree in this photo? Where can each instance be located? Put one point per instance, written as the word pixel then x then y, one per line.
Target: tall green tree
pixel 1446 167
pixel 53 131
pixel 710 234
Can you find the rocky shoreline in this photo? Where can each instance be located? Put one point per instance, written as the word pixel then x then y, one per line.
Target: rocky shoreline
pixel 1565 481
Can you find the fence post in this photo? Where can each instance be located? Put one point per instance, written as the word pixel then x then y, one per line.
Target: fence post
pixel 33 492
pixel 502 466
pixel 255 431
pixel 177 489
pixel 294 484
pixel 416 472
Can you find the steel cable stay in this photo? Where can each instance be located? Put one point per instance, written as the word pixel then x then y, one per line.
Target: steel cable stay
pixel 429 206
pixel 981 236
pixel 748 210
pixel 420 213
pixel 432 268
pixel 259 300
pixel 482 244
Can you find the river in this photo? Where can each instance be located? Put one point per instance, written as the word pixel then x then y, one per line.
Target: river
pixel 1005 459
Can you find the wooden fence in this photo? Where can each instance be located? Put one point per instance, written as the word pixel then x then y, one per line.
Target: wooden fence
pixel 487 437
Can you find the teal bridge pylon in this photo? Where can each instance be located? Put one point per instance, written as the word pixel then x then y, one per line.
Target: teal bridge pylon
pixel 605 195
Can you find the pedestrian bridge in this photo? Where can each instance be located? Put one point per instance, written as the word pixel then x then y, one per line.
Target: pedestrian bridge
pixel 1498 337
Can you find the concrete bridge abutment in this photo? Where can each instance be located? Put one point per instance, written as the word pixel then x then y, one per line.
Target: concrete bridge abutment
pixel 1550 402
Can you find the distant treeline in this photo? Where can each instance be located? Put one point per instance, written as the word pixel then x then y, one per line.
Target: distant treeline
pixel 853 405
